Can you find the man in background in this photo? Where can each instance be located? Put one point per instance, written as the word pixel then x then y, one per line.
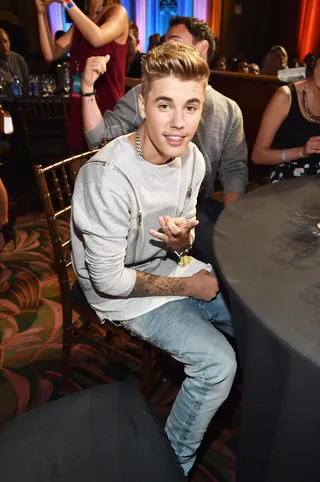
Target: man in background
pixel 133 64
pixel 11 63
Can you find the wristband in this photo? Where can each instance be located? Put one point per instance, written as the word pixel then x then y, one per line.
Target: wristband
pixel 184 252
pixel 284 155
pixel 87 94
pixel 68 4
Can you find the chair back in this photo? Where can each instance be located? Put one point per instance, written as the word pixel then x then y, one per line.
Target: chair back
pixel 44 122
pixel 55 183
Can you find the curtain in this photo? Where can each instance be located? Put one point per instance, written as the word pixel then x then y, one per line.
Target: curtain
pixel 309 29
pixel 214 19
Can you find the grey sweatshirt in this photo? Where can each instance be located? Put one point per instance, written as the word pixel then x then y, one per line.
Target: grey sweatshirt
pixel 220 137
pixel 118 197
pixel 13 65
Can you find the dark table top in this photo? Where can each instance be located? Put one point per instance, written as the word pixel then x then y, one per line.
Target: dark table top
pixel 269 257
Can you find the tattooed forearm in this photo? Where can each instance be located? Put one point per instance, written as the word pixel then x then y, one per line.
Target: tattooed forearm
pixel 151 285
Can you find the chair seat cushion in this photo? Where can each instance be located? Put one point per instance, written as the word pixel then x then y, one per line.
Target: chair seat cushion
pixel 102 434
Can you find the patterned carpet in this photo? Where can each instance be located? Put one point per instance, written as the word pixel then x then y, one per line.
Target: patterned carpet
pixel 30 348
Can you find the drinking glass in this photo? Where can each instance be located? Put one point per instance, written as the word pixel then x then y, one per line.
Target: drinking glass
pixel 52 85
pixel 2 86
pixel 45 85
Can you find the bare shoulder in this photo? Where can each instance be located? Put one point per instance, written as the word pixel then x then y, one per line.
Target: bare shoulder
pixel 280 103
pixel 115 9
pixel 282 95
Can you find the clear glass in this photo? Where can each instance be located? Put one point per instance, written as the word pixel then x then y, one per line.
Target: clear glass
pixel 34 85
pixel 52 85
pixel 66 78
pixel 2 82
pixel 45 85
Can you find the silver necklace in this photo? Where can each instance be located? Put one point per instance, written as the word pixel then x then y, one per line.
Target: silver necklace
pixel 138 143
pixel 139 148
pixel 306 105
pixel 98 11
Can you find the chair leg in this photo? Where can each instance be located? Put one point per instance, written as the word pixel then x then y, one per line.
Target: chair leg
pixel 146 370
pixel 66 358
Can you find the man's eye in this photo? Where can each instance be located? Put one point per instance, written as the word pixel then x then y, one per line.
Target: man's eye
pixel 164 106
pixel 191 108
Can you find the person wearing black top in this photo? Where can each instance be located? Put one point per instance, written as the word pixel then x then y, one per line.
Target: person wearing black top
pixel 289 135
pixel 133 65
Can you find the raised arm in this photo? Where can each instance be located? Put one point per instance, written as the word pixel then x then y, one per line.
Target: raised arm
pixel 124 118
pixel 275 113
pixel 115 26
pixel 51 50
pixel 91 115
pixel 233 167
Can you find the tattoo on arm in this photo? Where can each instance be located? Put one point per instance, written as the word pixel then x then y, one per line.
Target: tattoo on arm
pixel 151 285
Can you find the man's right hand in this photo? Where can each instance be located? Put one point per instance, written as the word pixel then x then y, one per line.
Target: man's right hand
pixel 95 66
pixel 203 286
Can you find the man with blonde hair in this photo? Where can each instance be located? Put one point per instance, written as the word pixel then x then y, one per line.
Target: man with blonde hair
pixel 133 220
pixel 220 135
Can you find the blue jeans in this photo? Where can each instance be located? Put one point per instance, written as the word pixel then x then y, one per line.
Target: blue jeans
pixel 186 329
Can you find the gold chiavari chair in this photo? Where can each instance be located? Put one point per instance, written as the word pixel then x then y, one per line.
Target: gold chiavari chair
pixel 57 205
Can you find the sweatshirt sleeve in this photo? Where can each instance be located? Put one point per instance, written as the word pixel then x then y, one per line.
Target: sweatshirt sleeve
pixel 103 219
pixel 233 167
pixel 123 119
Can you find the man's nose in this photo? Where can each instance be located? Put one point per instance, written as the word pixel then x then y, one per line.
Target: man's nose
pixel 177 119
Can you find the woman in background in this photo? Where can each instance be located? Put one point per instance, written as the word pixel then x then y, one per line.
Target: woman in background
pixel 219 63
pixel 276 59
pixel 103 32
pixel 289 135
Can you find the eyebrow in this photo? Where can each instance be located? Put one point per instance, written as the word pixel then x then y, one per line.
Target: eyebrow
pixel 168 99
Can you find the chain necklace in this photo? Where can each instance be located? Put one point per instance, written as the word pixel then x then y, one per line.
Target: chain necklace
pixel 138 143
pixel 139 148
pixel 98 11
pixel 306 105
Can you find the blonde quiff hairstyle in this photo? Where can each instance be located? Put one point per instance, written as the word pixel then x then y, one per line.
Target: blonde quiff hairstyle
pixel 173 59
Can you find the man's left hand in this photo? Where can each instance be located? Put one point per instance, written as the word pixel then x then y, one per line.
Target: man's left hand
pixel 175 232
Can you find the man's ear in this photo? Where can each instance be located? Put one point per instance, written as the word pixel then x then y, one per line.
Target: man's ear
pixel 203 46
pixel 142 106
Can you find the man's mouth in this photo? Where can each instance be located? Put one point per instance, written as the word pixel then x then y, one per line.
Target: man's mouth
pixel 175 140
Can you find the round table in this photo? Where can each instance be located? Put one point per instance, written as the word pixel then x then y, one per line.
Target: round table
pixel 268 249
